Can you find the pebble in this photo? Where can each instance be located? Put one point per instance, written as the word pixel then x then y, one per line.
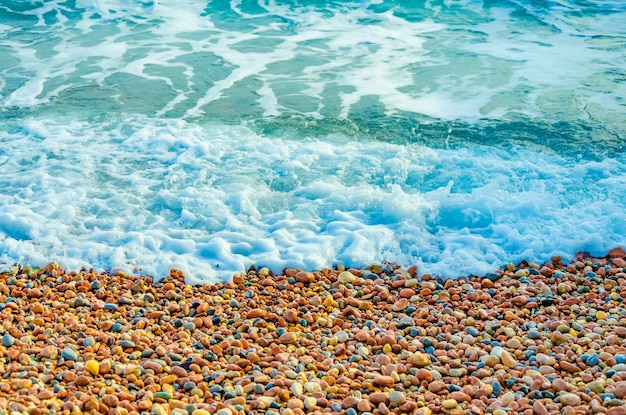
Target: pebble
pixel 527 339
pixel 8 340
pixel 396 398
pixel 570 399
pixel 92 367
pixel 69 354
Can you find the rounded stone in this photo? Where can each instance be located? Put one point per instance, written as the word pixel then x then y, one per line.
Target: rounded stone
pixel 396 398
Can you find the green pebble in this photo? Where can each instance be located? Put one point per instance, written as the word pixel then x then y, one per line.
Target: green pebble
pixel 163 395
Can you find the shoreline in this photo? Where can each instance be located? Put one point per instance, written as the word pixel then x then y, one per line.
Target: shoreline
pixel 529 338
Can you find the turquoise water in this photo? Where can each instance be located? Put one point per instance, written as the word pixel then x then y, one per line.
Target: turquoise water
pixel 211 136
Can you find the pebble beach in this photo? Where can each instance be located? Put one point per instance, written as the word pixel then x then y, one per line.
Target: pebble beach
pixel 525 339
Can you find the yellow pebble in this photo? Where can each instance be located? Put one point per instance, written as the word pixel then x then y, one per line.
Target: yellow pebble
pixel 93 367
pixel 387 348
pixel 601 315
pixel 168 379
pixel 449 403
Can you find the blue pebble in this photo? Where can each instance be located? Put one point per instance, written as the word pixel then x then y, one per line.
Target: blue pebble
pixel 69 354
pixel 454 388
pixel 510 381
pixel 411 309
pixel 110 306
pixel 430 350
pixel 117 327
pixel 216 320
pixel 280 331
pixel 427 342
pixel 620 358
pixel 472 331
pixel 593 360
pixel 497 389
pixel 8 340
pixel 607 396
pixel 548 395
pixel 414 332
pixel 336 407
pixel 492 276
pixel 351 411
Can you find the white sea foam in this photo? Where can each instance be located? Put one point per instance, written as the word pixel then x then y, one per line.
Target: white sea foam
pixel 212 200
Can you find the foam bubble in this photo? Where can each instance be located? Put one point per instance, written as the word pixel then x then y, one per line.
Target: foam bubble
pixel 148 195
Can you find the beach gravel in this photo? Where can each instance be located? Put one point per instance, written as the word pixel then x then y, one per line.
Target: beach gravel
pixel 526 339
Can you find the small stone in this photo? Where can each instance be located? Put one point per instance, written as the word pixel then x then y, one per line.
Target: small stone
pixel 460 396
pixel 383 381
pixel 437 386
pixel 158 409
pixel 508 360
pixel 396 398
pixel 8 340
pixel 127 344
pixel 257 313
pixel 310 402
pixel 288 338
pixel 570 399
pixel 346 277
pixel 378 397
pixel 568 366
pixel 419 359
pixel 82 380
pixel 69 354
pixel 110 400
pixel 105 366
pixel 164 395
pixel 539 408
pixel 449 403
pixel 92 367
pixel 297 389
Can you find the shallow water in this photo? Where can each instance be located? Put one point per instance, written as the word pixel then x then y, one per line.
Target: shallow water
pixel 208 136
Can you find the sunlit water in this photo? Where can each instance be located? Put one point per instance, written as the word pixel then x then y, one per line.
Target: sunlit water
pixel 212 136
